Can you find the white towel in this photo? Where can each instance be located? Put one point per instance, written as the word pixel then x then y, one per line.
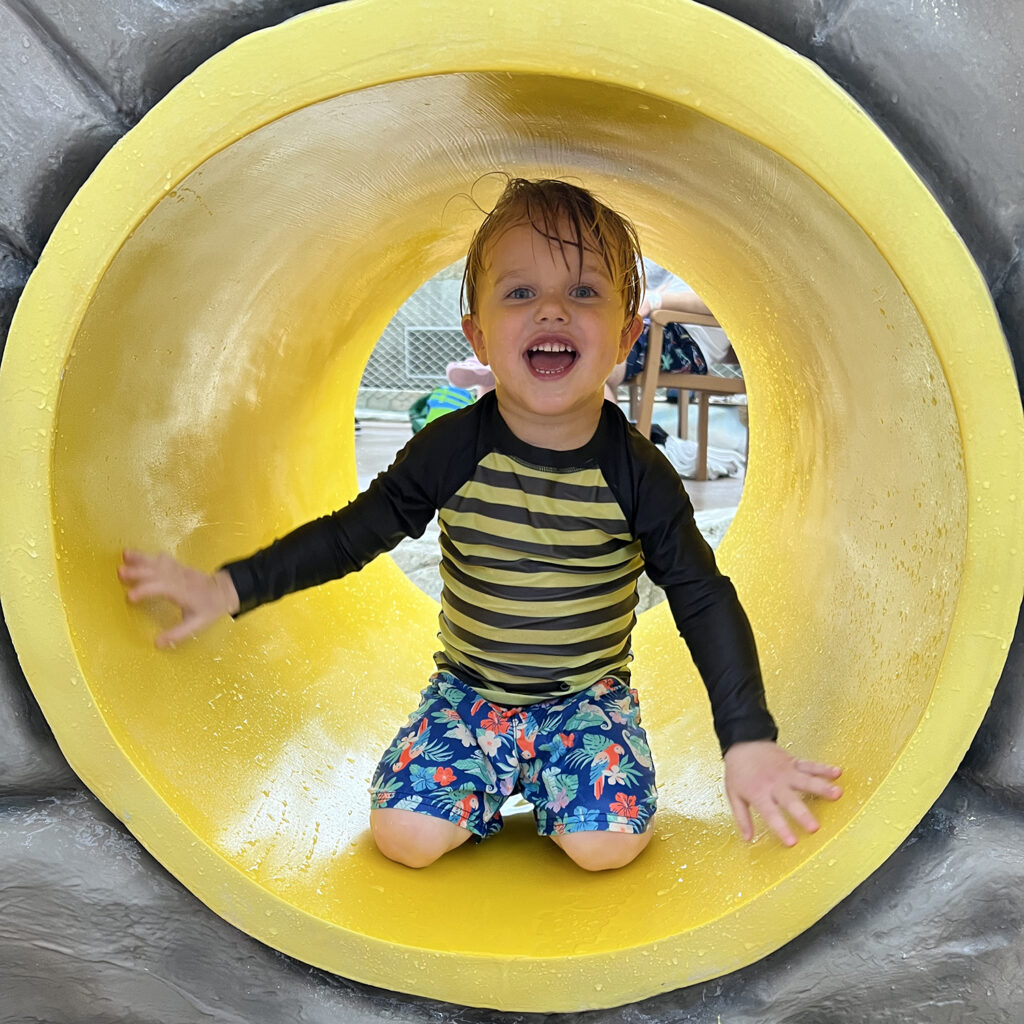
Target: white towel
pixel 721 461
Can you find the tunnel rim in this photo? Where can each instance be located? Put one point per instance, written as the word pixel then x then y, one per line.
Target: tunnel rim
pixel 21 525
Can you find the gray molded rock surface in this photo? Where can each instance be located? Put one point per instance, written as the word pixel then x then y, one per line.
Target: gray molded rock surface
pixel 53 130
pixel 14 272
pixel 30 760
pixel 78 75
pixel 134 51
pixel 92 929
pixel 996 758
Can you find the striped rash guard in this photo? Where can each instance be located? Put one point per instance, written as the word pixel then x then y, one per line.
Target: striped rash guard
pixel 540 554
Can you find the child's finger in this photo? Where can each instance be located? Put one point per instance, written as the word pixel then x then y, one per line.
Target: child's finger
pixel 741 814
pixel 134 573
pixel 151 588
pixel 185 630
pixel 776 821
pixel 817 786
pixel 135 560
pixel 801 814
pixel 827 771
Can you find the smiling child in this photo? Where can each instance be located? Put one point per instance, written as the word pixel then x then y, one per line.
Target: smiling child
pixel 550 507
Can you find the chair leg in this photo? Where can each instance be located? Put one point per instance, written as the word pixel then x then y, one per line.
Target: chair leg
pixel 649 379
pixel 702 436
pixel 684 412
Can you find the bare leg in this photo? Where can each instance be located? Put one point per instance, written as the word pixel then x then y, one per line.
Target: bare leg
pixel 602 851
pixel 413 839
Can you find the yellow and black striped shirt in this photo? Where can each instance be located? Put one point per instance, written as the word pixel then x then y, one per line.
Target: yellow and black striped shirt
pixel 540 554
pixel 539 570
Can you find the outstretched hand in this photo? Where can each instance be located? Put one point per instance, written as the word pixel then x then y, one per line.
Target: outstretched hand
pixel 763 776
pixel 202 597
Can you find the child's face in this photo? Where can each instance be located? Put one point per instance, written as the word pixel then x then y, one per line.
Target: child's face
pixel 550 331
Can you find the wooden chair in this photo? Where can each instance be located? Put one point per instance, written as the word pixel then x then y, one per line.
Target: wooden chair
pixel 643 386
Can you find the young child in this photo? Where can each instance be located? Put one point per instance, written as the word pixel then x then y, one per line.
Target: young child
pixel 550 506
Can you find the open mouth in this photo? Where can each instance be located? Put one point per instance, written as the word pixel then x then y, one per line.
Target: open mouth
pixel 552 358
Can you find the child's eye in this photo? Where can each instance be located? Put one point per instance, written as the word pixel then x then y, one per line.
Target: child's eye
pixel 584 291
pixel 521 293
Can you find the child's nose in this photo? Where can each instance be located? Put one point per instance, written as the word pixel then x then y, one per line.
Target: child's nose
pixel 552 307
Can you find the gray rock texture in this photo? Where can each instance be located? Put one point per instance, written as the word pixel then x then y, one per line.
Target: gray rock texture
pixel 79 74
pixel 996 758
pixel 92 929
pixel 14 271
pixel 31 763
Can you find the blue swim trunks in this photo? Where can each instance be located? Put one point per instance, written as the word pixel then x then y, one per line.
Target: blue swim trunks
pixel 582 761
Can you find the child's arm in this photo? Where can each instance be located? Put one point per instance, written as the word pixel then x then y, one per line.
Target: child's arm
pixel 758 773
pixel 763 776
pixel 202 597
pixel 682 302
pixel 400 502
pixel 314 553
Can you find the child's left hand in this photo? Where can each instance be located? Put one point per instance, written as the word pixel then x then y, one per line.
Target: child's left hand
pixel 763 776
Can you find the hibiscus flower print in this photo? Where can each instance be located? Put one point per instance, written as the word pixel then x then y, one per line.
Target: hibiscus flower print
pixel 624 805
pixel 614 776
pixel 422 777
pixel 583 819
pixel 490 743
pixel 444 776
pixel 461 732
pixel 559 801
pixel 496 722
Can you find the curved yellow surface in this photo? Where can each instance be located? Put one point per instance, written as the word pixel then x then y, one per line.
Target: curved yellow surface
pixel 181 375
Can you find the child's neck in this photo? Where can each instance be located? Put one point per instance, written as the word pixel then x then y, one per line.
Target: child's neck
pixel 556 433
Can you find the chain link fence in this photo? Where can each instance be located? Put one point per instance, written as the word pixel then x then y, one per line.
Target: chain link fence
pixel 410 358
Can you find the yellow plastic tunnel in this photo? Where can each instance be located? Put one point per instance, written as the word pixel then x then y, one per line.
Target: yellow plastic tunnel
pixel 181 375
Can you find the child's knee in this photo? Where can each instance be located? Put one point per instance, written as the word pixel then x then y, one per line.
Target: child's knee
pixel 603 851
pixel 413 839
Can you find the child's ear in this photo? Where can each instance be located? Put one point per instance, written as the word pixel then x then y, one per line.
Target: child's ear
pixel 630 333
pixel 475 337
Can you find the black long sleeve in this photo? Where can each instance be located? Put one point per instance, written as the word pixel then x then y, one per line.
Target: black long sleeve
pixel 399 503
pixel 704 603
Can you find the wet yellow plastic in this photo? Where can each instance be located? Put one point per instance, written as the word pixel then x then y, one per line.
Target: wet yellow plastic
pixel 181 375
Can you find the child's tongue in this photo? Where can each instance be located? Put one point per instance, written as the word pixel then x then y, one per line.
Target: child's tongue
pixel 551 362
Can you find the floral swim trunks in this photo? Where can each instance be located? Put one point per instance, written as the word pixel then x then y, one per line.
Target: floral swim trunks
pixel 582 761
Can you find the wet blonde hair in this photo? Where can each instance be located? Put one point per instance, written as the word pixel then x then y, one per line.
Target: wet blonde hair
pixel 549 205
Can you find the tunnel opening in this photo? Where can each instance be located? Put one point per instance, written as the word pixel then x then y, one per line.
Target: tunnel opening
pixel 422 350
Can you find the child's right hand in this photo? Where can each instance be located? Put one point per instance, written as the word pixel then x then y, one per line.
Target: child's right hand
pixel 202 597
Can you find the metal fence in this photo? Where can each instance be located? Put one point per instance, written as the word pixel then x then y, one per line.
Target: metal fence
pixel 416 346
